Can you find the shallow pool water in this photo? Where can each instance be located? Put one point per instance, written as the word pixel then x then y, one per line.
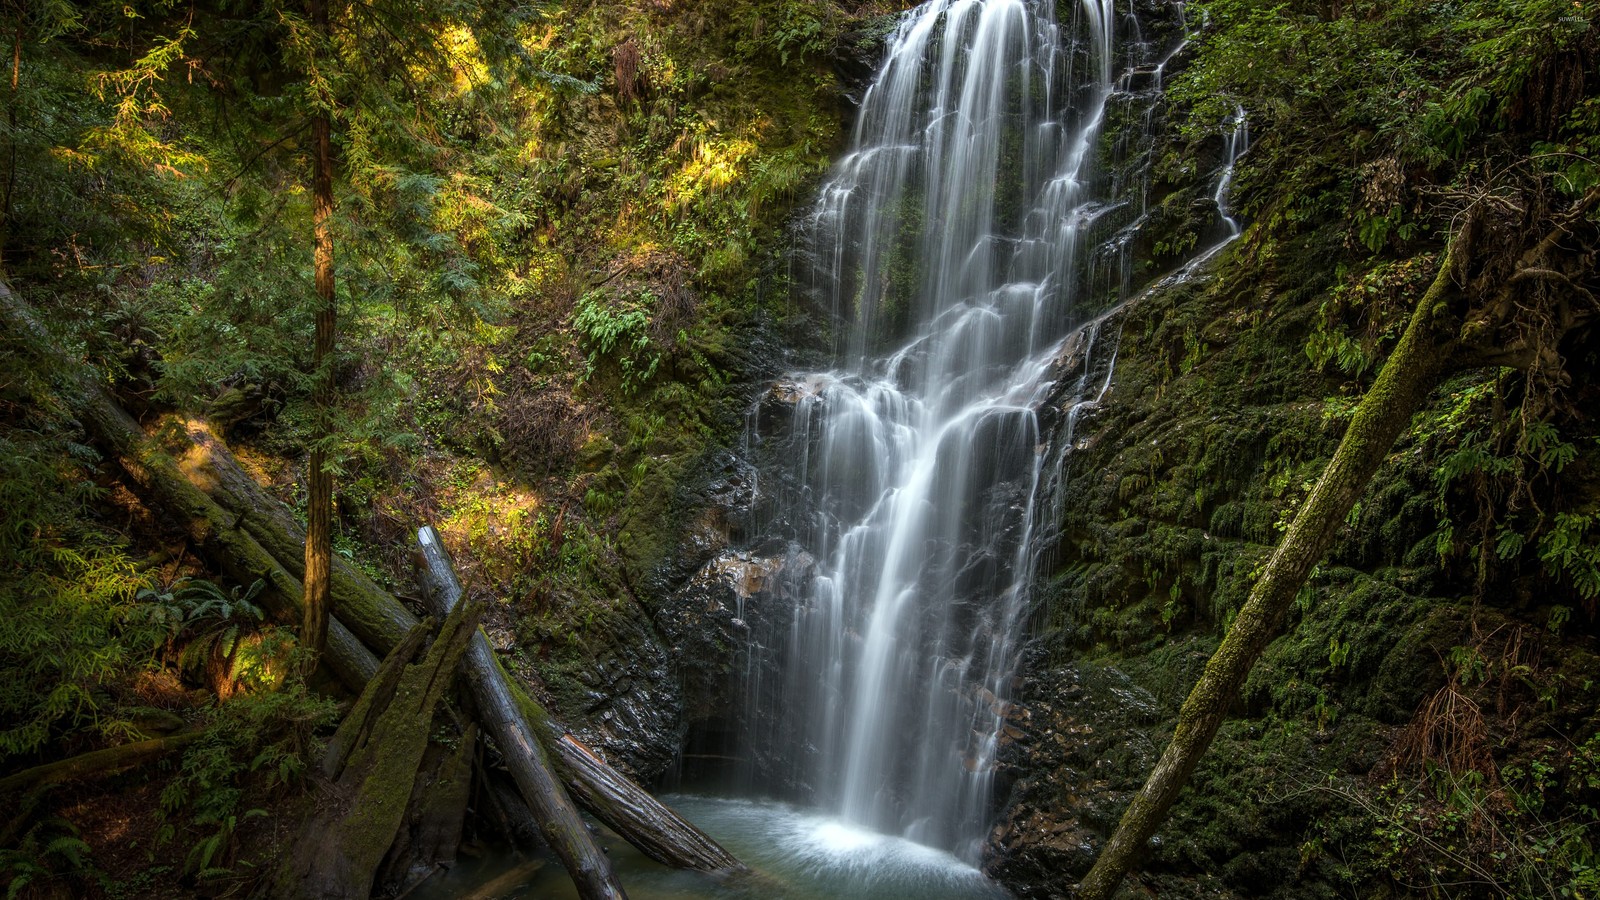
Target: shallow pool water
pixel 792 852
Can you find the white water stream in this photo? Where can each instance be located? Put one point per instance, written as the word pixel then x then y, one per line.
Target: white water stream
pixel 950 244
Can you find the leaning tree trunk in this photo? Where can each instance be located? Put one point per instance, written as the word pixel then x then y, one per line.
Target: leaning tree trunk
pixel 628 809
pixel 1410 374
pixel 319 479
pixel 563 829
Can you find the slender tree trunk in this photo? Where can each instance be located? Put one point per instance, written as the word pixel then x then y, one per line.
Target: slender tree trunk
pixel 11 140
pixel 1410 374
pixel 319 502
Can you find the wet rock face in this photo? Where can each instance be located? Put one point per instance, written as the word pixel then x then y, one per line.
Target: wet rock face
pixel 717 510
pixel 708 624
pixel 711 591
pixel 660 663
pixel 1075 740
pixel 630 702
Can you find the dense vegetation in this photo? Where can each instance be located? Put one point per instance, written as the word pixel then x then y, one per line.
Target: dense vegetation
pixel 560 240
pixel 1426 726
pixel 552 222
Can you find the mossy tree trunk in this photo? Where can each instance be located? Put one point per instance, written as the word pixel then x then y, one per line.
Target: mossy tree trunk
pixel 1409 375
pixel 98 763
pixel 384 743
pixel 432 830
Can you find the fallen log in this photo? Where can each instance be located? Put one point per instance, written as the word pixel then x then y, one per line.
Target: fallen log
pixel 97 764
pixel 636 815
pixel 367 610
pixel 559 823
pixel 625 807
pixel 157 475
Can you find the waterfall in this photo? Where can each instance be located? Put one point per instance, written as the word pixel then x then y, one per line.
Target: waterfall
pixel 960 243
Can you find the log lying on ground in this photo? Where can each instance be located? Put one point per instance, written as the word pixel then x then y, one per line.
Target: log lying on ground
pixel 166 485
pixel 339 852
pixel 367 610
pixel 610 796
pixel 563 829
pixel 97 764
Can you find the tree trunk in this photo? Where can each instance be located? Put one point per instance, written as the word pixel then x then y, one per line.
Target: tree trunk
pixel 319 488
pixel 433 824
pixel 1409 375
pixel 636 815
pixel 338 853
pixel 563 829
pixel 628 809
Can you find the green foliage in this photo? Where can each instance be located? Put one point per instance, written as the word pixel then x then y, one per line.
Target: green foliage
pixel 617 330
pixel 1381 300
pixel 806 30
pixel 1521 838
pixel 49 850
pixel 68 598
pixel 1568 549
pixel 259 741
pixel 217 635
pixel 1506 462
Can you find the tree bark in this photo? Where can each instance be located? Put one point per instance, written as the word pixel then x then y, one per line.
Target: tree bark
pixel 319 480
pixel 563 829
pixel 628 809
pixel 632 812
pixel 434 820
pixel 1409 375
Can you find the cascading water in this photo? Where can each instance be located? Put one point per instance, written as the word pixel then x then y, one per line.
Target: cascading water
pixel 954 244
pixel 973 245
